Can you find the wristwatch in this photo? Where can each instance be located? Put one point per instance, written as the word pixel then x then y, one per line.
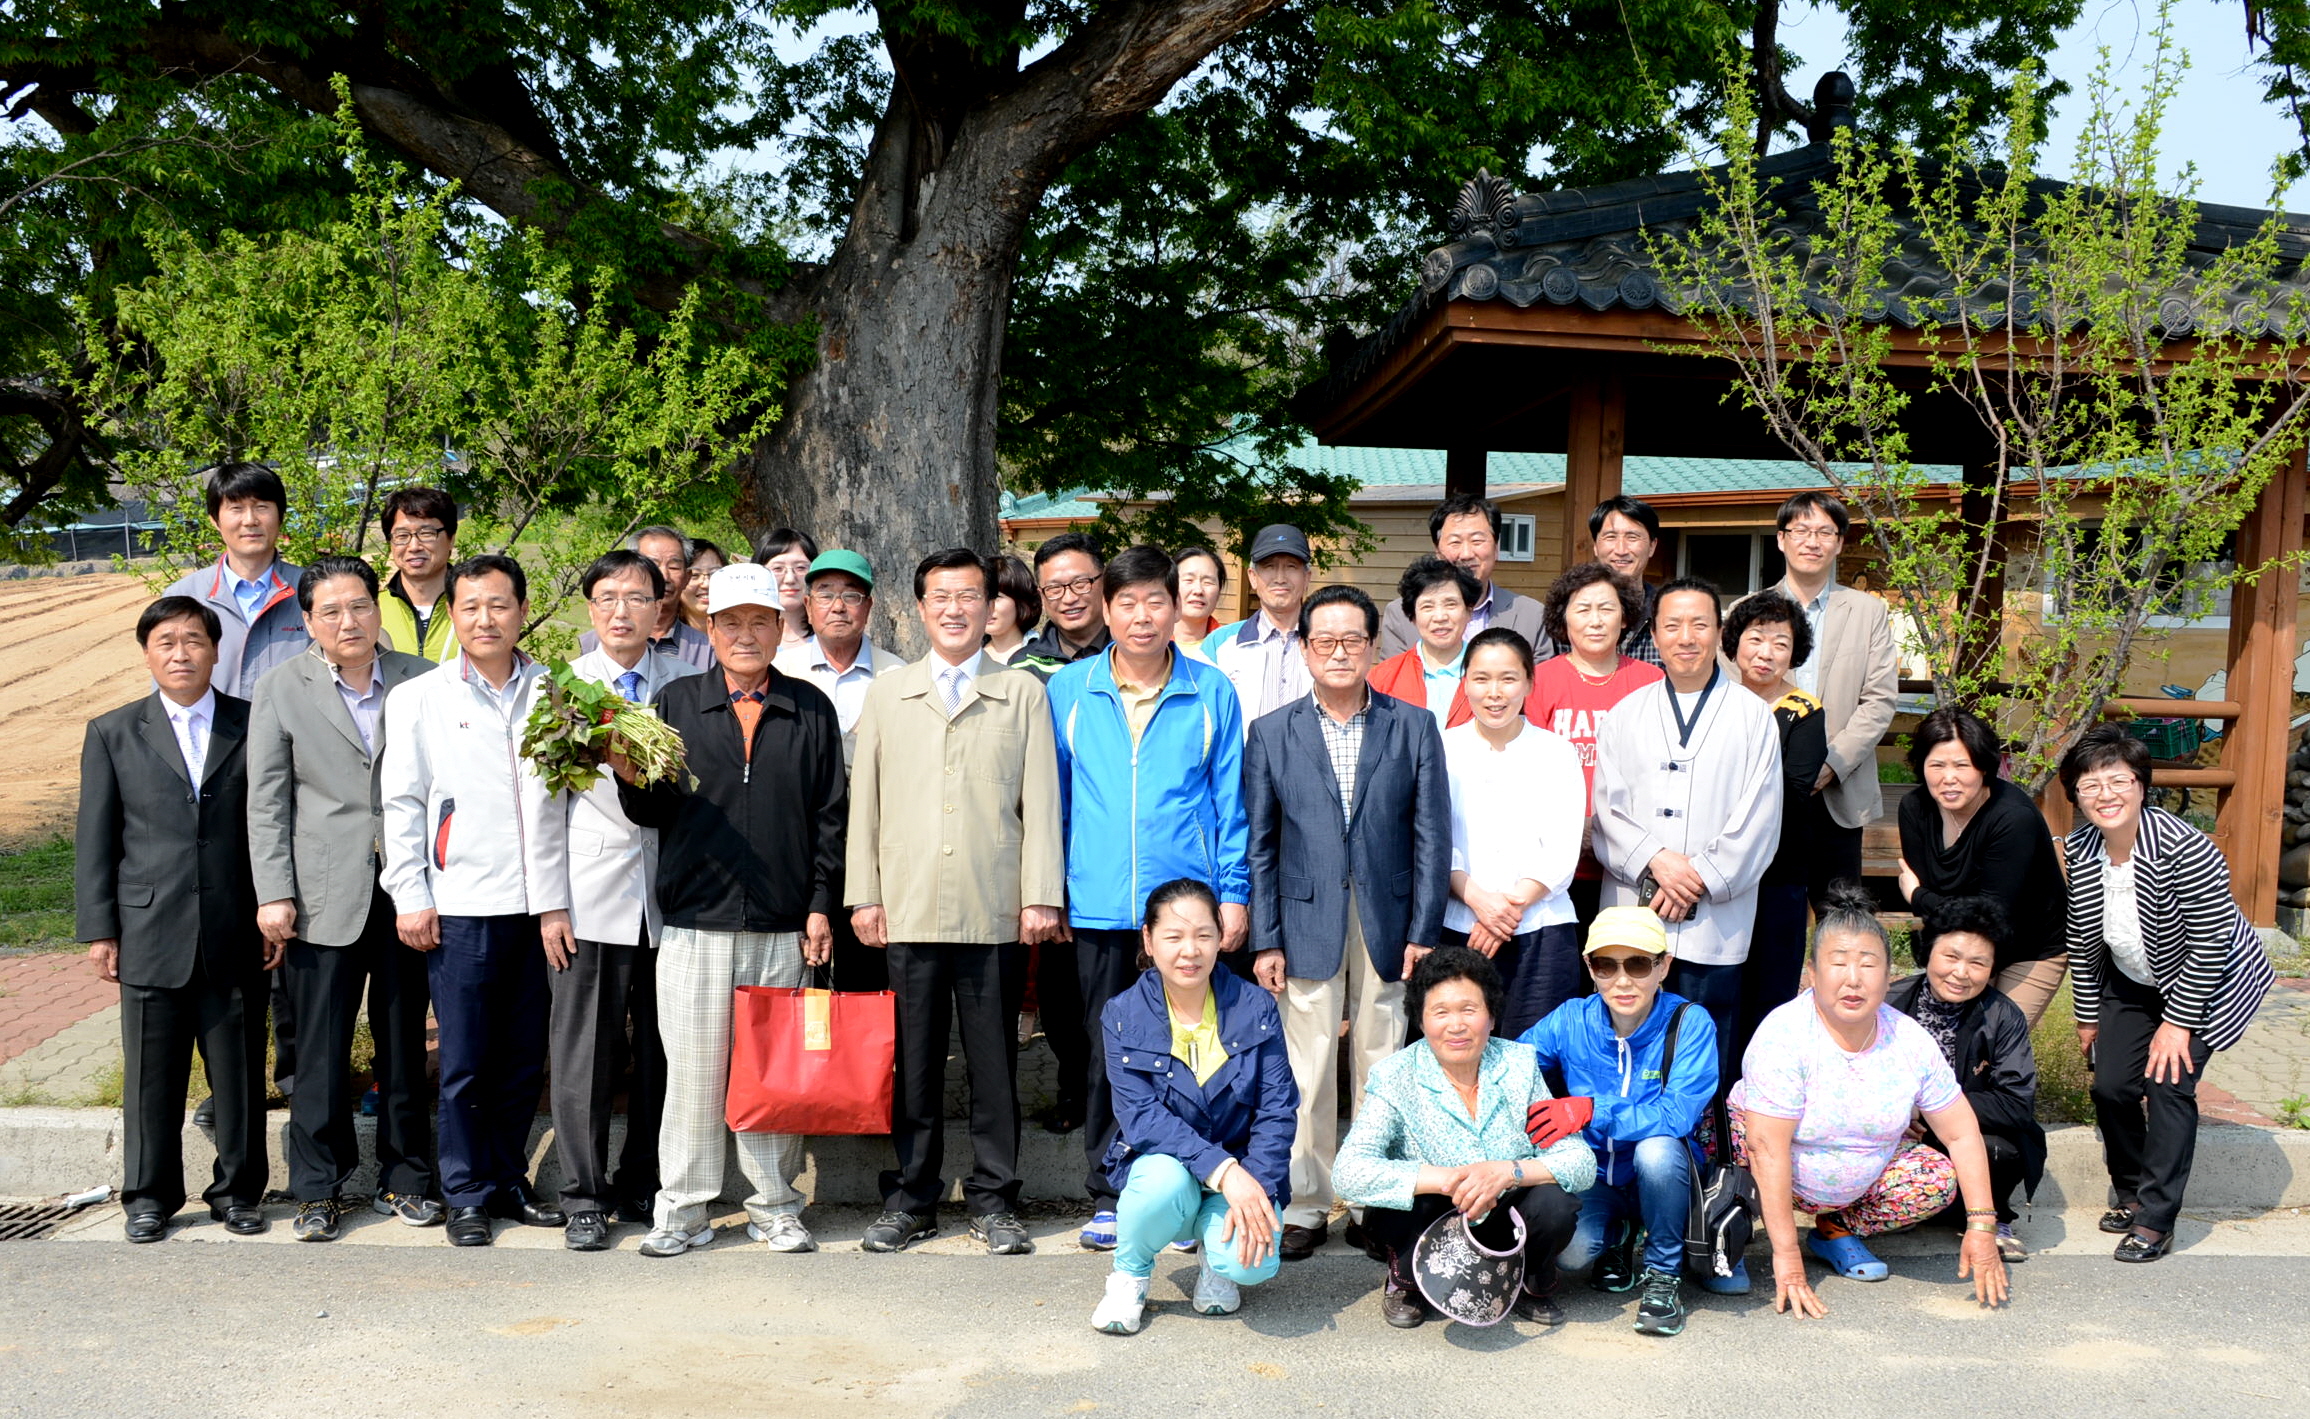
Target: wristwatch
pixel 1517 1169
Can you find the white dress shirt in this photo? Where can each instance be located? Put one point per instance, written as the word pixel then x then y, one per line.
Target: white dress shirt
pixel 846 688
pixel 2121 920
pixel 192 724
pixel 1517 812
pixel 952 682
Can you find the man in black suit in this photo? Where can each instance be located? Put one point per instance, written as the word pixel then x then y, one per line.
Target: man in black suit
pixel 167 906
pixel 1351 862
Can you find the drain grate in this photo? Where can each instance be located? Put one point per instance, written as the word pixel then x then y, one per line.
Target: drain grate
pixel 31 1223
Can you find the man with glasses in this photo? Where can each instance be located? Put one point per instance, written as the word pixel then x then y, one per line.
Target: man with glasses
pixel 1612 1050
pixel 1854 672
pixel 316 735
pixel 954 862
pixel 669 551
pixel 608 978
pixel 1262 657
pixel 420 526
pixel 1351 861
pixel 1068 572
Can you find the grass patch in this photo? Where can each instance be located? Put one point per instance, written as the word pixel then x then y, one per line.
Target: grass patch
pixel 2064 1084
pixel 36 897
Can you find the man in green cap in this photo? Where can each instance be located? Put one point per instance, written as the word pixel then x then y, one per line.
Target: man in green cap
pixel 839 659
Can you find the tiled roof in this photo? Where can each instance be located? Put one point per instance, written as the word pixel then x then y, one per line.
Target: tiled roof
pixel 1587 247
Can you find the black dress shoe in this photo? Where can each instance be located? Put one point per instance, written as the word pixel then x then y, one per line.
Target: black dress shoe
pixel 2136 1247
pixel 145 1226
pixel 469 1227
pixel 516 1203
pixel 240 1219
pixel 586 1231
pixel 1401 1306
pixel 1300 1243
pixel 205 1114
pixel 2118 1219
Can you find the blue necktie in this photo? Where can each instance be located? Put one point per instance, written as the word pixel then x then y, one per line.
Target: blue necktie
pixel 630 685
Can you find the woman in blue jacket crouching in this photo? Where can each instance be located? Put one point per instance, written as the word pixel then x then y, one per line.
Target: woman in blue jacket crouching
pixel 1205 1108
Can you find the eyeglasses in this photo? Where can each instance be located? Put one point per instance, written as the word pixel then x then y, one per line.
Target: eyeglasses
pixel 1068 590
pixel 967 600
pixel 1812 534
pixel 1633 967
pixel 632 601
pixel 848 596
pixel 408 536
pixel 2116 786
pixel 350 611
pixel 1325 647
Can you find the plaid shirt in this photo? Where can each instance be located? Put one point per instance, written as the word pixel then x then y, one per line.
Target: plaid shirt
pixel 1345 741
pixel 1638 642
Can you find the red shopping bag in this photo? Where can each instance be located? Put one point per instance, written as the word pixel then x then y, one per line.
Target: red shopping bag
pixel 810 1061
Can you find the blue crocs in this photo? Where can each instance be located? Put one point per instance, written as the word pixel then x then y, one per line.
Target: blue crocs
pixel 1736 1284
pixel 1847 1257
pixel 1099 1233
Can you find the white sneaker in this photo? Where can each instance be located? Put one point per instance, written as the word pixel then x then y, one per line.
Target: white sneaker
pixel 785 1233
pixel 659 1243
pixel 1119 1310
pixel 1215 1295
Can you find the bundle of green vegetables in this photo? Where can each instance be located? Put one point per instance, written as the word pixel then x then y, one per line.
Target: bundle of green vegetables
pixel 576 723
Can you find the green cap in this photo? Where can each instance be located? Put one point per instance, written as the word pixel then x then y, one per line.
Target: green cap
pixel 837 559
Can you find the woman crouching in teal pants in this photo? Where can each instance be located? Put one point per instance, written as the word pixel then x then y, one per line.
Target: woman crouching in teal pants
pixel 1205 1109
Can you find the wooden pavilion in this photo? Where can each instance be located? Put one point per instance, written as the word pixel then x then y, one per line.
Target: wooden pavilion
pixel 1540 326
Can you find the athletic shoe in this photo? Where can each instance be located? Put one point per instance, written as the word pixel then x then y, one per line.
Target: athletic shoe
pixel 1661 1312
pixel 675 1243
pixel 2009 1246
pixel 414 1211
pixel 1215 1295
pixel 1120 1310
pixel 1615 1270
pixel 785 1232
pixel 1098 1234
pixel 896 1231
pixel 318 1221
pixel 1003 1233
pixel 586 1231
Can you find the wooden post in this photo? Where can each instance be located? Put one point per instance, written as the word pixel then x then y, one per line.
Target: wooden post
pixel 2264 640
pixel 1596 436
pixel 1466 470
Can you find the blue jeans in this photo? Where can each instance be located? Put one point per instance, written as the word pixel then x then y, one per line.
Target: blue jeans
pixel 1653 1191
pixel 1162 1204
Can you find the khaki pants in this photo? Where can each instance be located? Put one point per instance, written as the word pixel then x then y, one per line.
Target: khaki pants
pixel 1312 1010
pixel 2033 984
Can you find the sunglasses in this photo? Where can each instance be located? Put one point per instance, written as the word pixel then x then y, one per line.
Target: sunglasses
pixel 1633 967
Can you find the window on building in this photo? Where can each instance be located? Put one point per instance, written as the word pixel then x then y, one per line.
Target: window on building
pixel 1736 562
pixel 1516 534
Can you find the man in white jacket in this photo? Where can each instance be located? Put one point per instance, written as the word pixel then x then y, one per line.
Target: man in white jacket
pixel 1688 806
pixel 474 862
pixel 610 975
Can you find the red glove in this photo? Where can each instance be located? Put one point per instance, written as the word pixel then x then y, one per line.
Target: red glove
pixel 1551 1120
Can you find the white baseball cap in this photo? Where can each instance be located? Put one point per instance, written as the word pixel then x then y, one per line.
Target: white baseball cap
pixel 741 584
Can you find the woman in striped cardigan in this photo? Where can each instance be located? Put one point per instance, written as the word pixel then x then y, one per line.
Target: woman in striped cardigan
pixel 2166 970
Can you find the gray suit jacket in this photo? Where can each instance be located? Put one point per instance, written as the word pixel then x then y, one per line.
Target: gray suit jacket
pixel 1394 853
pixel 1525 615
pixel 162 867
pixel 1860 680
pixel 313 802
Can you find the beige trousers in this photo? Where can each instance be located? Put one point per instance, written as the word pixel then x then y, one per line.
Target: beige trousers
pixel 2033 984
pixel 1312 1011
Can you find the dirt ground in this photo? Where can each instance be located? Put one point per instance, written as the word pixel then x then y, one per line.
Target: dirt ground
pixel 67 653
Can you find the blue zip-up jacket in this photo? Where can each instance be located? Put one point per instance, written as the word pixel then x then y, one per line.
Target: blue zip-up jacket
pixel 1138 817
pixel 1248 1110
pixel 1622 1076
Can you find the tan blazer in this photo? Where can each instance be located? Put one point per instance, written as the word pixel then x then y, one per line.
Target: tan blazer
pixel 1860 678
pixel 954 825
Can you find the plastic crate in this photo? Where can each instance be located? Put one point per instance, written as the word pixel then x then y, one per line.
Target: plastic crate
pixel 2168 738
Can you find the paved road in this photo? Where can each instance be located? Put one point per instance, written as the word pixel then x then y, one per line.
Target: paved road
pixel 392 1322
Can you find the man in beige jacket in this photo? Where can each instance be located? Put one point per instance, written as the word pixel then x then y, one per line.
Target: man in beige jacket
pixel 956 865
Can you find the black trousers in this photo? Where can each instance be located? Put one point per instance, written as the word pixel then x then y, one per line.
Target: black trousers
pixel 1550 1214
pixel 1776 965
pixel 324 986
pixel 2004 1176
pixel 284 1007
pixel 1106 963
pixel 160 1027
pixel 606 986
pixel 491 1001
pixel 1836 857
pixel 1059 1003
pixel 852 964
pixel 941 987
pixel 2149 1132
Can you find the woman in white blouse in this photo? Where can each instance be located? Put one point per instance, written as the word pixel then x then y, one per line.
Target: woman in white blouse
pixel 1519 802
pixel 2165 970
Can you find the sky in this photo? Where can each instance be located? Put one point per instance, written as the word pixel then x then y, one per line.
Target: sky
pixel 2218 119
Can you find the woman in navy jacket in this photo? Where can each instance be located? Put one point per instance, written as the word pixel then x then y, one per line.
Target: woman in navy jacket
pixel 1205 1109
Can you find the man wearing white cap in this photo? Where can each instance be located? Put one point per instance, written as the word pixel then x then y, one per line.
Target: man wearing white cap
pixel 749 867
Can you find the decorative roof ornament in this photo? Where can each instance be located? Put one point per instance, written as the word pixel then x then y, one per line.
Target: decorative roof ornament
pixel 1486 204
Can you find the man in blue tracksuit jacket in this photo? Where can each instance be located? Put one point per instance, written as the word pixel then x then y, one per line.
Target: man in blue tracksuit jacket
pixel 1151 780
pixel 1610 1047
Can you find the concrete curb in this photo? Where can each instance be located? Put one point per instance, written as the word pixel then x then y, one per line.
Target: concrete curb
pixel 47 1152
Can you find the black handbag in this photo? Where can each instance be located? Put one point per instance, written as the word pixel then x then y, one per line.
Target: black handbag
pixel 1725 1205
